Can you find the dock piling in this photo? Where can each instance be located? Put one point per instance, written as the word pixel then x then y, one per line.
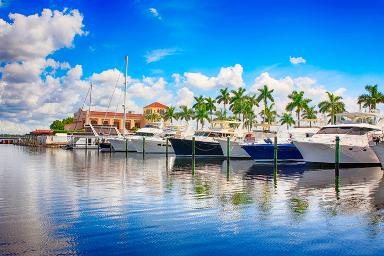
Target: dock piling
pixel 166 148
pixel 143 146
pixel 228 155
pixel 275 151
pixel 337 156
pixel 193 155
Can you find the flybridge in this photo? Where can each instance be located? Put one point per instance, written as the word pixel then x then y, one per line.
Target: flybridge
pixel 374 118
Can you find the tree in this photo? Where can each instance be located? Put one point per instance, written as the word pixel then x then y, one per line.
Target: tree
pixel 221 115
pixel 170 114
pixel 371 99
pixel 153 117
pixel 287 119
pixel 224 98
pixel 269 114
pixel 201 114
pixel 68 120
pixel 57 125
pixel 310 113
pixel 199 102
pixel 236 101
pixel 265 95
pixel 185 113
pixel 298 102
pixel 332 106
pixel 210 105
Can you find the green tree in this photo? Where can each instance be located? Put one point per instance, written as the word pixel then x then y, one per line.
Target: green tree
pixel 201 114
pixel 153 117
pixel 224 98
pixel 211 107
pixel 57 125
pixel 265 95
pixel 68 120
pixel 310 113
pixel 287 119
pixel 170 114
pixel 221 114
pixel 372 98
pixel 199 102
pixel 185 113
pixel 298 102
pixel 269 114
pixel 332 106
pixel 237 100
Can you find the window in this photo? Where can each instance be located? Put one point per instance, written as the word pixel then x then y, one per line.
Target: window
pixel 345 130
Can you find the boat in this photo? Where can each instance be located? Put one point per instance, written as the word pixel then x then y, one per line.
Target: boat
pixel 206 140
pixel 355 131
pixel 378 148
pixel 286 152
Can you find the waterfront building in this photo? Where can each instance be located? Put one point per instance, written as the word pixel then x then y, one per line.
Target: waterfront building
pixel 97 118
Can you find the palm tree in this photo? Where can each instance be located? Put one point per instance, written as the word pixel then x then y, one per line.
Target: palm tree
pixel 310 113
pixel 237 101
pixel 224 98
pixel 269 114
pixel 371 99
pixel 201 114
pixel 185 113
pixel 153 117
pixel 287 119
pixel 332 106
pixel 298 102
pixel 170 114
pixel 265 95
pixel 199 102
pixel 221 115
pixel 210 105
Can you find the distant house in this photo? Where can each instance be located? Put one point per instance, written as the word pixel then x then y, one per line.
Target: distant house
pixel 133 120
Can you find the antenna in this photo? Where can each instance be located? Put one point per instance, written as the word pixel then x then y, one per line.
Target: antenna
pixel 125 93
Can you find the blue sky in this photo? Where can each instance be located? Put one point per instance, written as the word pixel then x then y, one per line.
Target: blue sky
pixel 340 41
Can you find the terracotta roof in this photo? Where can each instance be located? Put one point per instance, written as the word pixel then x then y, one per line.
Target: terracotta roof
pixel 156 105
pixel 113 114
pixel 42 131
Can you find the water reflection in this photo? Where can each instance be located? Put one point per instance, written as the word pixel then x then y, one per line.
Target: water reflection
pixel 54 201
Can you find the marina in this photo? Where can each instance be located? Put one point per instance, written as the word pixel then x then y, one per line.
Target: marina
pixel 55 201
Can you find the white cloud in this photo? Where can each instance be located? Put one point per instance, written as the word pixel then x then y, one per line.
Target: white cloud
pixel 227 77
pixel 36 36
pixel 155 13
pixel 149 88
pixel 184 97
pixel 158 54
pixel 297 60
pixel 8 127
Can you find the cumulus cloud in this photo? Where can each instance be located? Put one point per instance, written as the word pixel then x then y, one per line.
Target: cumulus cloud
pixel 297 60
pixel 158 54
pixel 155 13
pixel 38 35
pixel 227 77
pixel 184 97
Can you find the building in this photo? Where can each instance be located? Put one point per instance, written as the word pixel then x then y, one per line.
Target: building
pixel 133 120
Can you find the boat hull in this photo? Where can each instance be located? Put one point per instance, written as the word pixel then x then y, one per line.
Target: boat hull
pixel 265 152
pixel 325 153
pixel 119 145
pixel 152 146
pixel 183 147
pixel 235 150
pixel 379 150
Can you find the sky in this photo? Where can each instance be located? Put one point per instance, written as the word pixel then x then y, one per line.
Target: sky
pixel 50 52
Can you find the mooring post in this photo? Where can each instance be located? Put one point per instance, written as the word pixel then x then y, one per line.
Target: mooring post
pixel 126 147
pixel 275 151
pixel 166 148
pixel 98 147
pixel 193 155
pixel 143 146
pixel 337 156
pixel 86 144
pixel 228 155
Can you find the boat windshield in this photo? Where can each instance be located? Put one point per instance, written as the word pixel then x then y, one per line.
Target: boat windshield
pixel 147 134
pixel 211 134
pixel 151 126
pixel 345 130
pixel 356 119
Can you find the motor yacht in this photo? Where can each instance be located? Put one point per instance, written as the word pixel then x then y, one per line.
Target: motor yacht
pixel 378 148
pixel 206 140
pixel 355 131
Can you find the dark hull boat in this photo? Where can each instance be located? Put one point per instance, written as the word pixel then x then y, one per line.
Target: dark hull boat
pixel 265 152
pixel 183 147
pixel 105 146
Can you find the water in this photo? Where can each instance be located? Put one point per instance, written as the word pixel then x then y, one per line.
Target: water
pixel 61 202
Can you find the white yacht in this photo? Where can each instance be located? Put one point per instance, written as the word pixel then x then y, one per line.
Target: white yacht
pixel 157 143
pixel 378 147
pixel 355 131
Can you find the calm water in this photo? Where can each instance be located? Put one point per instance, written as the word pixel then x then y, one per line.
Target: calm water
pixel 61 202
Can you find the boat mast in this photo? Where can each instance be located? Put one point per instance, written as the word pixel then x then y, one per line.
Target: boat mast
pixel 125 93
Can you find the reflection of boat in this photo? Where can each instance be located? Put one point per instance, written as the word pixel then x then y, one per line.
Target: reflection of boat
pixel 265 152
pixel 353 129
pixel 206 144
